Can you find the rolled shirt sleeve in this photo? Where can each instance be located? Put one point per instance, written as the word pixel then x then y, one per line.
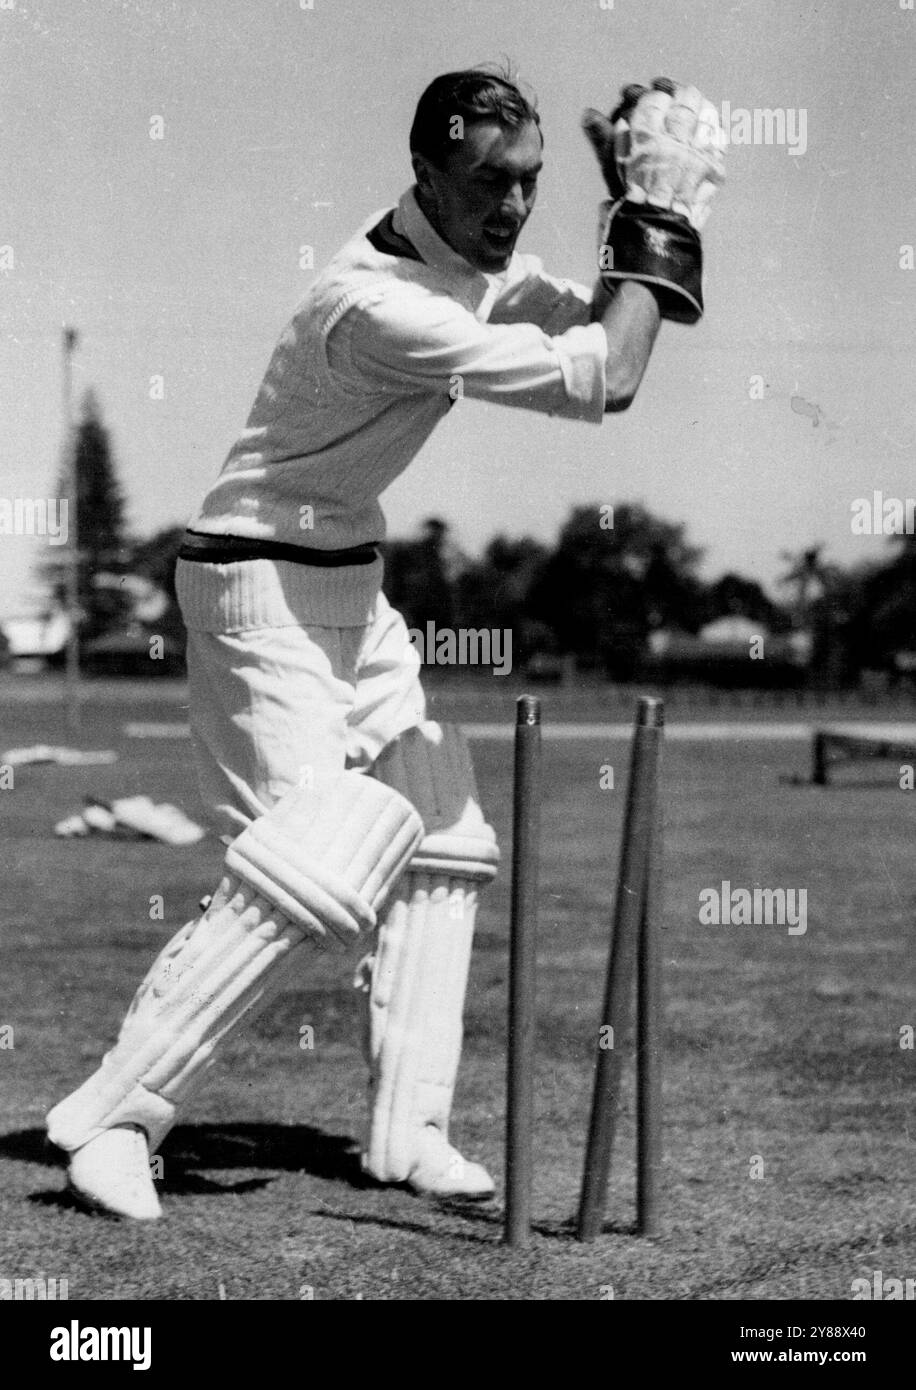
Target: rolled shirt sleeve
pixel 414 340
pixel 533 296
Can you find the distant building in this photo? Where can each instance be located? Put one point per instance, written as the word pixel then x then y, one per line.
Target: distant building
pixel 733 651
pixel 43 635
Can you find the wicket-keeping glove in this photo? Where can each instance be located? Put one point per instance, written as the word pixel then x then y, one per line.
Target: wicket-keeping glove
pixel 661 153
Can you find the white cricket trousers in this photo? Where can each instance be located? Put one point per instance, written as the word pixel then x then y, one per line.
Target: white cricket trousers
pixel 295 673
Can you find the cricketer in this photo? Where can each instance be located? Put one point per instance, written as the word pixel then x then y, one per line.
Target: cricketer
pixel 346 814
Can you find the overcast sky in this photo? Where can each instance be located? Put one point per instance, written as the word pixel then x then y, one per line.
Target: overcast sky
pixel 286 126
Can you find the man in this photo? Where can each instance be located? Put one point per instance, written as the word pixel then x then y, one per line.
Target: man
pixel 346 812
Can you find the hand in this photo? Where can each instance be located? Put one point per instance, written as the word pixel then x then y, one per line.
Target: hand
pixel 661 145
pixel 660 151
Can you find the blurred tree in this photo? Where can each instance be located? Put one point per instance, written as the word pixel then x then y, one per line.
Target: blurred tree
pixel 817 608
pixel 155 559
pixel 605 587
pixel 806 575
pixel 494 592
pixel 881 611
pixel 735 594
pixel 101 528
pixel 420 575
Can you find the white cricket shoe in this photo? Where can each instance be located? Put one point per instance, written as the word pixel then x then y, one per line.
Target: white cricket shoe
pixel 111 1173
pixel 441 1171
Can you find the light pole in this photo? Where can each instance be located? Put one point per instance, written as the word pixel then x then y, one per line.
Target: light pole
pixel 72 682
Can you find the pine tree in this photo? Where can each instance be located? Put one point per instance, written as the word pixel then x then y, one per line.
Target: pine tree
pixel 101 527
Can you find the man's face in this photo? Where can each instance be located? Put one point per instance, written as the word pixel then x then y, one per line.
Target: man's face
pixel 481 198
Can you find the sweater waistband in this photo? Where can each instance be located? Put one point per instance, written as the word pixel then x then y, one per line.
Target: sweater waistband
pixel 200 547
pixel 247 594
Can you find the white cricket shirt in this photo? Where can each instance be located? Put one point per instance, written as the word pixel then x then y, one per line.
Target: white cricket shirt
pixel 375 355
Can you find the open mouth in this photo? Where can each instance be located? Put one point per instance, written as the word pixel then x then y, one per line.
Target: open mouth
pixel 500 238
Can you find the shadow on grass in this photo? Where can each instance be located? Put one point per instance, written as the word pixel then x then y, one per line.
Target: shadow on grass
pixel 209 1147
pixel 187 1186
pixel 488 1218
pixel 391 1223
pixel 191 1151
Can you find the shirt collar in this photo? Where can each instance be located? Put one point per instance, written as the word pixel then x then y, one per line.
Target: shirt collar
pixel 410 221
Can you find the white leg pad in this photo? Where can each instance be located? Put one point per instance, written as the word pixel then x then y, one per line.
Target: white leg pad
pixel 321 861
pixel 414 985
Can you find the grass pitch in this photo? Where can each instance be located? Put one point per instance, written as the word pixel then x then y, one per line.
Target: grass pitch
pixel 786 1055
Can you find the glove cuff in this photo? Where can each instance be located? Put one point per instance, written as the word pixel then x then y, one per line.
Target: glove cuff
pixel 658 248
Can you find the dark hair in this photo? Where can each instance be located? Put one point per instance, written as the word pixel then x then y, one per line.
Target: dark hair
pixel 474 94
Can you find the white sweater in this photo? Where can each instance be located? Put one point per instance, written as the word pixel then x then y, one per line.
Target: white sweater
pixel 372 359
pixel 377 352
